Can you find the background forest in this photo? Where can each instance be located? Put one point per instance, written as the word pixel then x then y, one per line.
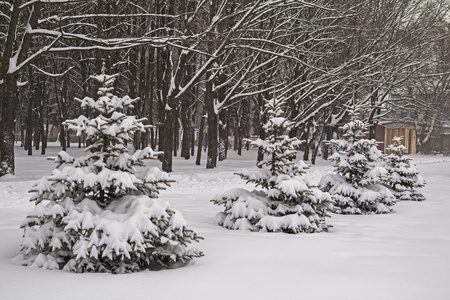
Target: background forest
pixel 209 66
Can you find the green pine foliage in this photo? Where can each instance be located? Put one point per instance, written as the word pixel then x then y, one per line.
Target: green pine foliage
pixel 356 187
pixel 101 212
pixel 286 203
pixel 402 177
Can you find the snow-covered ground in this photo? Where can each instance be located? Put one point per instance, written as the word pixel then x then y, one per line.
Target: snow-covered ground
pixel 404 255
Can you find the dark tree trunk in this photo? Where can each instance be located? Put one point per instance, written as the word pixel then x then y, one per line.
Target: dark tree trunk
pixel 227 134
pixel 41 120
pixel 213 122
pixel 200 140
pixel 62 137
pixel 47 119
pixel 223 135
pixel 37 119
pixel 315 151
pixel 169 128
pixel 61 108
pixel 306 153
pixel 152 138
pixel 239 149
pixel 176 133
pixel 37 133
pixel 193 141
pixel 236 138
pixel 186 112
pixel 22 135
pixel 29 122
pixel 7 134
pixel 325 146
pixel 99 53
pixel 9 94
pixel 29 138
pixel 372 122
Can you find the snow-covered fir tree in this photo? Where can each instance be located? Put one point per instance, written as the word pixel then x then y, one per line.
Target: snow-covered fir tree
pixel 285 203
pixel 356 187
pixel 101 212
pixel 402 176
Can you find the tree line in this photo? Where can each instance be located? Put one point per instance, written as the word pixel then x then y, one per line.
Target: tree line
pixel 212 65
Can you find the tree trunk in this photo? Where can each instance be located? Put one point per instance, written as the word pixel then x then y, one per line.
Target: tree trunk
pixel 99 53
pixel 37 133
pixel 29 125
pixel 187 130
pixel 306 153
pixel 7 133
pixel 223 135
pixel 9 91
pixel 62 131
pixel 192 141
pixel 200 140
pixel 62 137
pixel 47 121
pixel 169 124
pixel 176 132
pixel 315 151
pixel 236 138
pixel 41 120
pixel 211 160
pixel 239 149
pixel 29 138
pixel 325 146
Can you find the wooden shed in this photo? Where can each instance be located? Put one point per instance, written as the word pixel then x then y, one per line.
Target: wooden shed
pixel 386 132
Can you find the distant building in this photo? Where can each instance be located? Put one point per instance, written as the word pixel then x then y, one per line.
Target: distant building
pixel 387 131
pixel 438 143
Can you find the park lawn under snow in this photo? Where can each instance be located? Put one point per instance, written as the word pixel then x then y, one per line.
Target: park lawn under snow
pixel 404 255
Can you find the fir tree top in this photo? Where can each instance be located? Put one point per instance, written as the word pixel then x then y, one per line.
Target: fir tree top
pixel 354 130
pixel 107 171
pixel 397 147
pixel 278 147
pixel 356 158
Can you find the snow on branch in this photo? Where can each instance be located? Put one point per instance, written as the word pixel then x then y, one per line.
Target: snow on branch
pixel 51 74
pixel 13 67
pixel 94 16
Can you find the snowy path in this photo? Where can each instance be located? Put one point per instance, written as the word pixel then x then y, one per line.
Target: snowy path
pixel 405 255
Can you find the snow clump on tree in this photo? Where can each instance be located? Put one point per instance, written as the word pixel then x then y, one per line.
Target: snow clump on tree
pixel 100 213
pixel 357 188
pixel 286 203
pixel 402 176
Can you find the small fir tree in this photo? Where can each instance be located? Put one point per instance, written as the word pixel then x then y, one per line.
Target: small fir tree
pixel 286 203
pixel 100 213
pixel 402 176
pixel 356 188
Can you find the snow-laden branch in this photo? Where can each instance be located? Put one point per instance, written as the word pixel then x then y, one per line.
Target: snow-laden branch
pixel 112 42
pixel 32 2
pixel 14 67
pixel 56 18
pixel 201 71
pixel 52 74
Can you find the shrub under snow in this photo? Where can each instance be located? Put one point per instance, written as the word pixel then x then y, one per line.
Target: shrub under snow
pixel 402 176
pixel 357 188
pixel 99 212
pixel 286 203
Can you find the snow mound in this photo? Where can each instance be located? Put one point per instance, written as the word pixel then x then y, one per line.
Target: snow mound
pixel 15 194
pixel 8 177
